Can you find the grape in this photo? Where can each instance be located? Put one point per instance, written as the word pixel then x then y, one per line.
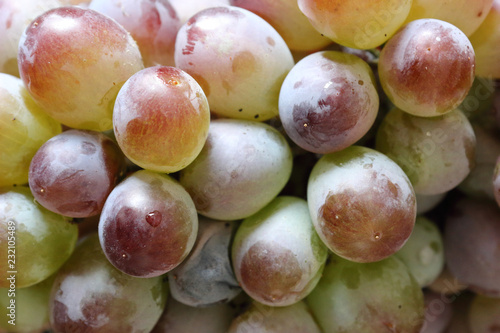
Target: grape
pixel 73 173
pixel 423 252
pixel 438 312
pixel 328 101
pixel 259 318
pixel 472 245
pixel 31 311
pixel 485 41
pixel 436 153
pixel 14 18
pixel 187 8
pixel 238 58
pixel 180 318
pixel 42 240
pixel 24 127
pixel 373 297
pixel 206 277
pixel 90 295
pixel 362 204
pixel 478 183
pixel 152 23
pixel 427 68
pixel 466 15
pixel 425 203
pixel 286 17
pixel 496 181
pixel 161 119
pixel 148 224
pixel 73 61
pixel 242 167
pixel 277 256
pixel 484 315
pixel 358 24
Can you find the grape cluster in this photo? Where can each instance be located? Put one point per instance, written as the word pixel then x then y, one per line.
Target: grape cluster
pixel 281 166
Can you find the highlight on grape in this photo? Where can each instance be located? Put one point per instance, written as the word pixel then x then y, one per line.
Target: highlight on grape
pixel 249 166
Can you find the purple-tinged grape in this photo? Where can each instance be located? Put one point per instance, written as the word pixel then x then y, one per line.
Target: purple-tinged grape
pixel 447 284
pixel 34 241
pixel 181 318
pixel 24 127
pixel 30 312
pixel 362 24
pixel 277 255
pixel 328 101
pixel 15 16
pixel 369 298
pixel 438 312
pixel 73 62
pixel 161 119
pixel 472 245
pixel 423 252
pixel 152 23
pixel 485 41
pixel 427 68
pixel 436 153
pixel 238 58
pixel 478 183
pixel 426 203
pixel 148 224
pixel 286 17
pixel 496 181
pixel 484 315
pixel 362 204
pixel 187 8
pixel 242 167
pixel 259 318
pixel 206 277
pixel 90 295
pixel 467 15
pixel 73 173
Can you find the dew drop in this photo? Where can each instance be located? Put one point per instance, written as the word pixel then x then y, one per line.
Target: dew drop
pixel 154 218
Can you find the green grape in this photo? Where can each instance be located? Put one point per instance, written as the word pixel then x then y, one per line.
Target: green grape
pixel 43 240
pixel 90 295
pixel 31 308
pixel 24 127
pixel 484 315
pixel 423 252
pixel 369 298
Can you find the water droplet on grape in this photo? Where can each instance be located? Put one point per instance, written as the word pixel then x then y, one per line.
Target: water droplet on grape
pixel 154 218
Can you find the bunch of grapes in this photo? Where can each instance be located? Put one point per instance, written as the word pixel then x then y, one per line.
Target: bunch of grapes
pixel 240 166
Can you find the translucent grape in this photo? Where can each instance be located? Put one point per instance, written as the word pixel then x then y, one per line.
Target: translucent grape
pixel 148 224
pixel 242 167
pixel 362 204
pixel 485 41
pixel 277 256
pixel 90 295
pixel 436 153
pixel 286 17
pixel 427 68
pixel 187 8
pixel 42 240
pixel 423 252
pixel 73 173
pixel 484 314
pixel 206 277
pixel 328 101
pixel 369 298
pixel 152 23
pixel 238 58
pixel 73 61
pixel 161 119
pixel 24 127
pixel 358 24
